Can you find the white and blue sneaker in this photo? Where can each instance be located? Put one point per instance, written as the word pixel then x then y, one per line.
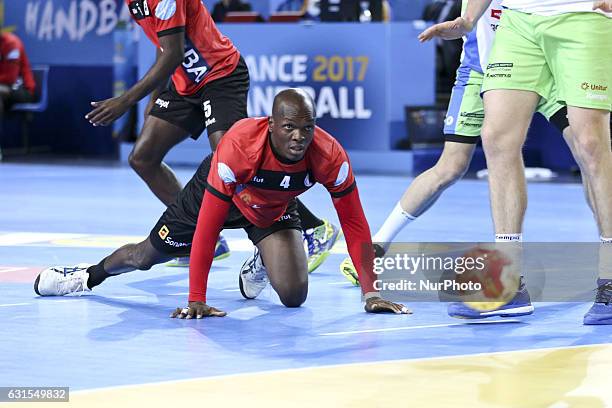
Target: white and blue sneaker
pixel 253 276
pixel 601 311
pixel 62 280
pixel 520 305
pixel 318 243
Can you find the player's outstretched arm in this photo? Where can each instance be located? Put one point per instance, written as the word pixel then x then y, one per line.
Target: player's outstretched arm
pixel 452 30
pixel 161 86
pixel 213 213
pixel 107 111
pixel 357 234
pixel 603 5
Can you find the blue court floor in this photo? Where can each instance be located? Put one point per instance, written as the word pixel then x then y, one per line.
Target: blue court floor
pixel 120 335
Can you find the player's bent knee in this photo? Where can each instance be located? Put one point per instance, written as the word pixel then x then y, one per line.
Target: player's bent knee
pixel 589 147
pixel 141 164
pixel 138 163
pixel 293 297
pixel 293 300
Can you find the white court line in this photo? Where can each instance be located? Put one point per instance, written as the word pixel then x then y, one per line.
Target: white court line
pixel 12 269
pixel 179 294
pixel 339 283
pixel 14 304
pixel 231 290
pixel 430 326
pixel 24 238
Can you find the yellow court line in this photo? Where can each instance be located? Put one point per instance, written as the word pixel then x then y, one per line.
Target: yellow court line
pixel 553 378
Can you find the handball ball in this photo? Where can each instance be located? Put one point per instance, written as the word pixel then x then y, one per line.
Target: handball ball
pixel 495 279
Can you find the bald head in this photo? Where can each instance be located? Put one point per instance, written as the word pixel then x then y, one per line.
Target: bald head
pixel 292 124
pixel 293 101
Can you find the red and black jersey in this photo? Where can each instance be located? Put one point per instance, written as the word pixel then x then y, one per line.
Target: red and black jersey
pixel 209 55
pixel 14 64
pixel 246 171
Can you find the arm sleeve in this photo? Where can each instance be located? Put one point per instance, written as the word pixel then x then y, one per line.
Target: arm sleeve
pixel 213 213
pixel 223 176
pixel 10 73
pixel 170 17
pixel 26 72
pixel 357 234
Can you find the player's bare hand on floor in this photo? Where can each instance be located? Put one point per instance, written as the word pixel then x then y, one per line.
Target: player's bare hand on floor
pixel 107 111
pixel 380 305
pixel 196 310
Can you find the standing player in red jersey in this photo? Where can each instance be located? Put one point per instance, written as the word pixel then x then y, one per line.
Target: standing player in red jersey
pixel 209 87
pixel 251 182
pixel 17 84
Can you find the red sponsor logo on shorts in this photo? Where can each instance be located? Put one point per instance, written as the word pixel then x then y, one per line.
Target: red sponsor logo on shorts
pixel 496 13
pixel 163 232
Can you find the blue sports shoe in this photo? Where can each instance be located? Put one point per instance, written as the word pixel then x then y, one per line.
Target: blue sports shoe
pixel 222 251
pixel 520 305
pixel 601 311
pixel 318 243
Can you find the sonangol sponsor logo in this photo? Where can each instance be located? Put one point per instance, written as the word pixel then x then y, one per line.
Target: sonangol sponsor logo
pixel 175 244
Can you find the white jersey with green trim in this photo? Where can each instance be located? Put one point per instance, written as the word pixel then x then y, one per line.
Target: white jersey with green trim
pixel 551 7
pixel 477 44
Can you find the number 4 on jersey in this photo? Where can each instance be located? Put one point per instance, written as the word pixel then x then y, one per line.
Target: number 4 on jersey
pixel 286 182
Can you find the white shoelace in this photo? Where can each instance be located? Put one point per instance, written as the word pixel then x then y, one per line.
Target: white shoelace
pixel 66 283
pixel 258 272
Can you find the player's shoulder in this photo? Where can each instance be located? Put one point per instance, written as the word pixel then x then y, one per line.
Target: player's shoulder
pixel 247 136
pixel 10 39
pixel 324 145
pixel 159 9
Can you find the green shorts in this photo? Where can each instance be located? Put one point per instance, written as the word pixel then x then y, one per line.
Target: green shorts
pixel 570 52
pixel 465 113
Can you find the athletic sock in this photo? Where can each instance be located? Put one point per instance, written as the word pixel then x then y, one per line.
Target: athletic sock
pixel 97 274
pixel 513 251
pixel 308 219
pixel 605 259
pixel 394 223
pixel 508 237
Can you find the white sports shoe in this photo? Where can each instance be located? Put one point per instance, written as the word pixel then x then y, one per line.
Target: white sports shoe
pixel 253 277
pixel 62 280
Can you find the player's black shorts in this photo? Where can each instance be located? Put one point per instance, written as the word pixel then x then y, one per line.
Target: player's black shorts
pixel 174 231
pixel 217 106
